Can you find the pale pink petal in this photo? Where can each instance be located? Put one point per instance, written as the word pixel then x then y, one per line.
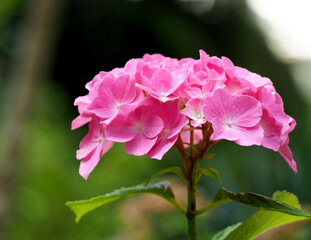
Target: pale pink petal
pixel 139 145
pixel 194 111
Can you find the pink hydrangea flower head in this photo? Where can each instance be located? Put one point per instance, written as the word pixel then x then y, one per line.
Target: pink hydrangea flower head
pixel 152 101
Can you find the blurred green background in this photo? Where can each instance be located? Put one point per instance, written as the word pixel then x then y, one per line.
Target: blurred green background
pixel 49 49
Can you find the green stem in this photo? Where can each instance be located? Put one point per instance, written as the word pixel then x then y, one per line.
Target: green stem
pixel 191 208
pixel 191 216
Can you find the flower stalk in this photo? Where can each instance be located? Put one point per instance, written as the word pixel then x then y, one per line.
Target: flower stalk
pixel 191 206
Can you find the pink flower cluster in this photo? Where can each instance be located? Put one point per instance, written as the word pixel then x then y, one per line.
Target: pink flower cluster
pixel 149 101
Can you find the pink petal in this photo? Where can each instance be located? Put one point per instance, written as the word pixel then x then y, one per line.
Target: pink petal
pixel 153 125
pixel 179 124
pixel 239 110
pixel 104 89
pixel 80 121
pixel 162 81
pixel 222 131
pixel 287 154
pixel 104 107
pixel 120 130
pixel 193 109
pixel 255 79
pixel 139 145
pixel 90 140
pixel 250 136
pixel 162 147
pixel 247 111
pixel 272 131
pixel 194 92
pixel 123 89
pixel 88 163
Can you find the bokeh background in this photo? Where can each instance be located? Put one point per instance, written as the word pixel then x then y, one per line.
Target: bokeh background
pixel 49 49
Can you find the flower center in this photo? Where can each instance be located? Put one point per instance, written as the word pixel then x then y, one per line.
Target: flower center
pixel 117 105
pixel 138 127
pixel 165 133
pixel 229 123
pixel 100 140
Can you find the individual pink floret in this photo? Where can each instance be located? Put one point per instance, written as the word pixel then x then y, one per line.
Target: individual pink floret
pixel 162 85
pixel 138 128
pixel 194 111
pixel 92 147
pixel 234 118
pixel 85 116
pixel 112 94
pixel 84 102
pixel 173 123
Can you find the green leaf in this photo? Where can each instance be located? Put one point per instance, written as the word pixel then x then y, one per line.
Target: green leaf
pixel 210 172
pixel 221 235
pixel 253 200
pixel 162 189
pixel 264 220
pixel 176 170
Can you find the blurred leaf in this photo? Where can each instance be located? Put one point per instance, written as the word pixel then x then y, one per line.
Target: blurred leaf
pixel 176 170
pixel 264 220
pixel 210 172
pixel 7 9
pixel 162 189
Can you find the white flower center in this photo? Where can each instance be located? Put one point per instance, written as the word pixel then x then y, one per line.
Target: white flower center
pixel 229 123
pixel 117 105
